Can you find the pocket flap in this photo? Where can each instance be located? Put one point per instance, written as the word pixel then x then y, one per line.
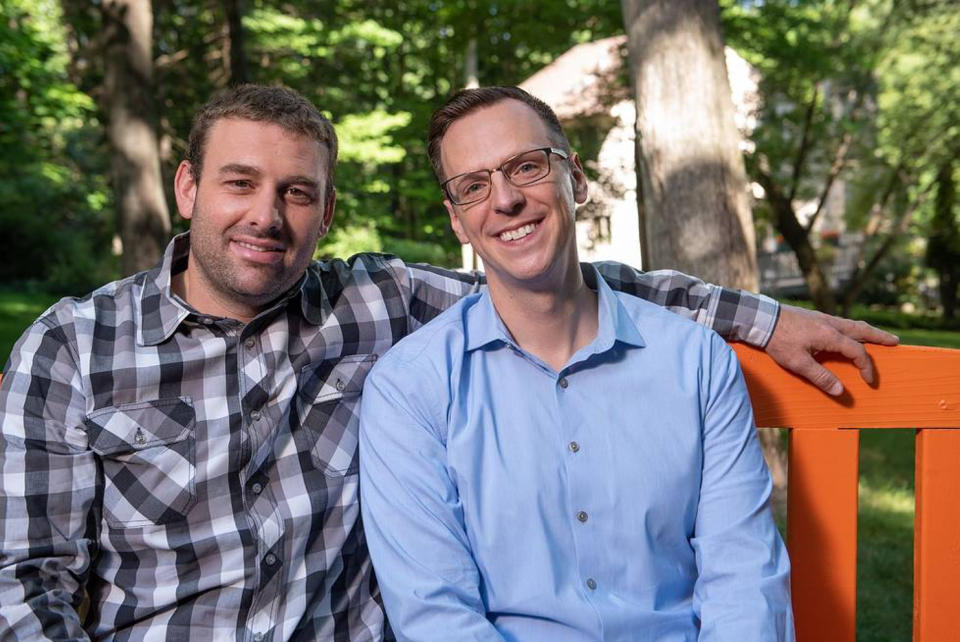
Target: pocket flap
pixel 135 426
pixel 331 379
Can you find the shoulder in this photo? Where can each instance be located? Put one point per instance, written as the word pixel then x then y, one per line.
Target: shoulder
pixel 110 303
pixel 656 322
pixel 436 344
pixel 361 263
pixel 58 337
pixel 677 342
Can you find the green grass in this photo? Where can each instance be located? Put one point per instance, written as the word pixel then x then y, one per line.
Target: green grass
pixel 885 546
pixel 923 337
pixel 17 311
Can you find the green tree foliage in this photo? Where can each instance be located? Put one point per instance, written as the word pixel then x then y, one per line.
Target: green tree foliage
pixel 378 70
pixel 866 92
pixel 54 201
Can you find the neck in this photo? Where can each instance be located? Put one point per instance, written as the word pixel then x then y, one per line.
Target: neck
pixel 551 324
pixel 208 301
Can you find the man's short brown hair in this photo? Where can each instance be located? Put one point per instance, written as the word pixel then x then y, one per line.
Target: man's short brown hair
pixel 277 105
pixel 466 101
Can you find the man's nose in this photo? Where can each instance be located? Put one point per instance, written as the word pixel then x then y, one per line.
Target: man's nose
pixel 266 211
pixel 506 197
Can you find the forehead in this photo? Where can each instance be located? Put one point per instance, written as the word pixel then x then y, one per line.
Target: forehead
pixel 486 137
pixel 264 145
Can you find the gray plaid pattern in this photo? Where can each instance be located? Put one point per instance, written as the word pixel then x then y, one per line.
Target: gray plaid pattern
pixel 198 477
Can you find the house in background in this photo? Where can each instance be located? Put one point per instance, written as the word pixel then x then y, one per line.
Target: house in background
pixel 588 89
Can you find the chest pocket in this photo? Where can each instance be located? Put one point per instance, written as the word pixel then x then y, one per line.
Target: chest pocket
pixel 329 412
pixel 148 454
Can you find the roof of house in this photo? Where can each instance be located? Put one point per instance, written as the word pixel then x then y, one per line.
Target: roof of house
pixel 582 81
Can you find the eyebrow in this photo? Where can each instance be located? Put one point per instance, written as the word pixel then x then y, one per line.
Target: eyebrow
pixel 250 170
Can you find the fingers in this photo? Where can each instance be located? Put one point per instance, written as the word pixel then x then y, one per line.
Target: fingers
pixel 819 376
pixel 863 331
pixel 854 351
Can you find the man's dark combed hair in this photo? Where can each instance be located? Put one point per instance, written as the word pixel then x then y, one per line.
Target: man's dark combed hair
pixel 466 101
pixel 277 105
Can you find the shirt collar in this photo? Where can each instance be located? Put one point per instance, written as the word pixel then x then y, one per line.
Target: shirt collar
pixel 484 326
pixel 161 311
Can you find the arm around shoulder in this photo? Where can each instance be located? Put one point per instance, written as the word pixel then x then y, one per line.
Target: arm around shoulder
pixel 736 315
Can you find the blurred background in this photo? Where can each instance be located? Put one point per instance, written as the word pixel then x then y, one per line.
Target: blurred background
pixel 810 149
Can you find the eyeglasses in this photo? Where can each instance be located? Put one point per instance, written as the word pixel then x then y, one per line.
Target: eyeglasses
pixel 520 170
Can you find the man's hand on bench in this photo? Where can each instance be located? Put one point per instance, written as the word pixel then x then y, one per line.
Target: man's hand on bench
pixel 801 334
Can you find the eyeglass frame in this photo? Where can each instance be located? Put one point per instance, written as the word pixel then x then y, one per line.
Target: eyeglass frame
pixel 549 150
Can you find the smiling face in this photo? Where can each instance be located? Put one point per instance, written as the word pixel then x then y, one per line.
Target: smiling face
pixel 525 235
pixel 256 214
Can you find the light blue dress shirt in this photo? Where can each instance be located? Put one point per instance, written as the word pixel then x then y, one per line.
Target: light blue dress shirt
pixel 622 498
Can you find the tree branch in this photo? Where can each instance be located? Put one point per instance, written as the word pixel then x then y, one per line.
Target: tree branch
pixel 804 142
pixel 839 160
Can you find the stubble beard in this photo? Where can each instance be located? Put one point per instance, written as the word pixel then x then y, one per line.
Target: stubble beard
pixel 230 278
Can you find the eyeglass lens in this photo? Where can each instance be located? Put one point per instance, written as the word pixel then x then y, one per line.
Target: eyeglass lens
pixel 521 170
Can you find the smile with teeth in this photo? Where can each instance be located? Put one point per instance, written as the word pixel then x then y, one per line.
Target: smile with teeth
pixel 519 233
pixel 256 248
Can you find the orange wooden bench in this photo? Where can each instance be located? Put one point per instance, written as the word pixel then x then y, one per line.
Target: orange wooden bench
pixel 917 388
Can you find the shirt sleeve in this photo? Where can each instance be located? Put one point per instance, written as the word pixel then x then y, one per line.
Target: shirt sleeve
pixel 412 515
pixel 431 290
pixel 47 489
pixel 736 315
pixel 743 586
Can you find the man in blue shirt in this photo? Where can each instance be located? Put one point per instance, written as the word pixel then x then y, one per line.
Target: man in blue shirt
pixel 551 460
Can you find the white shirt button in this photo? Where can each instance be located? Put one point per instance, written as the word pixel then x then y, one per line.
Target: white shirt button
pixel 592 584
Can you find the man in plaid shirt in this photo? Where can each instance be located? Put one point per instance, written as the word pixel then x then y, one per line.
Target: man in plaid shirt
pixel 178 448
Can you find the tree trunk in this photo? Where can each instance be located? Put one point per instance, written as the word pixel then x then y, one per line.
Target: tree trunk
pixel 238 55
pixel 943 245
pixel 697 216
pixel 143 219
pixel 692 183
pixel 798 238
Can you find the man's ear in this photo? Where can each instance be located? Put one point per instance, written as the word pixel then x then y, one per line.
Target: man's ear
pixel 455 222
pixel 329 207
pixel 185 189
pixel 579 180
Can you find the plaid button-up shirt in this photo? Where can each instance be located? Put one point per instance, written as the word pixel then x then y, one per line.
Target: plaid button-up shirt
pixel 195 477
